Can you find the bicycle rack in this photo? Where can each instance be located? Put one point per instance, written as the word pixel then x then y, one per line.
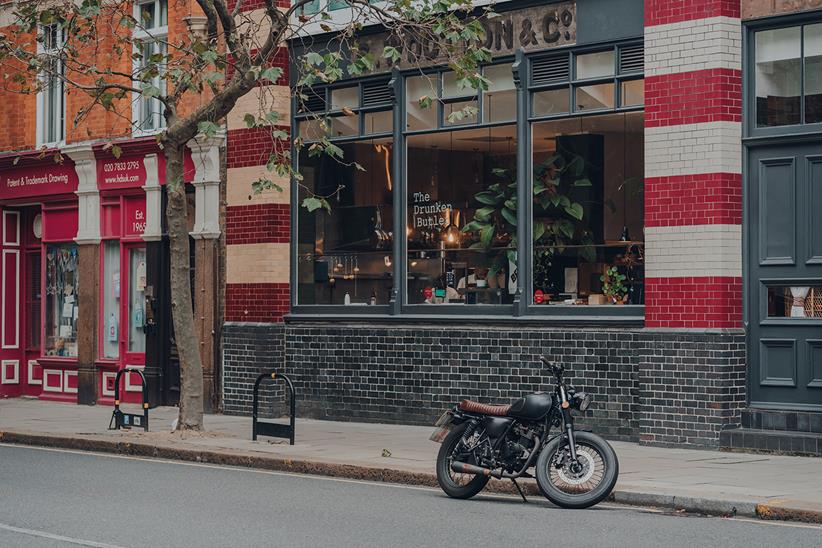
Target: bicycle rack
pixel 273 429
pixel 127 420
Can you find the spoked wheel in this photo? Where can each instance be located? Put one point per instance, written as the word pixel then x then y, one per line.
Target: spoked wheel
pixel 455 484
pixel 582 483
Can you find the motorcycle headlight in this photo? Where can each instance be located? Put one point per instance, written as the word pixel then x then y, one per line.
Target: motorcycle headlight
pixel 583 401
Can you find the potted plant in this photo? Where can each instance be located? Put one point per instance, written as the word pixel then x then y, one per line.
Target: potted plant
pixel 613 286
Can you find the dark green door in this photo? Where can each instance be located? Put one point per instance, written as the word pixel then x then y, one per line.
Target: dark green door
pixel 784 271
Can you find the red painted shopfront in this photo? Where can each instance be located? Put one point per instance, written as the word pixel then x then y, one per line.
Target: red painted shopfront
pixel 40 271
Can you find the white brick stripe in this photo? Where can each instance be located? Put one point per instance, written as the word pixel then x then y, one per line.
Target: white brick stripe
pixel 715 42
pixel 690 149
pixel 257 263
pixel 240 193
pixel 259 101
pixel 693 251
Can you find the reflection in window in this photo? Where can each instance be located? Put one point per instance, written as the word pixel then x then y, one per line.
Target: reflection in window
pixel 595 97
pixel 344 257
pixel 552 101
pixel 420 116
pixel 778 77
pixel 795 301
pixel 461 217
pixel 588 210
pixel 595 65
pixel 813 74
pixel 136 295
pixel 61 300
pixel 633 93
pixel 499 101
pixel 111 300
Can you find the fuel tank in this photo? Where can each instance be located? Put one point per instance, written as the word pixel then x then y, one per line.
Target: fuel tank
pixel 533 406
pixel 495 426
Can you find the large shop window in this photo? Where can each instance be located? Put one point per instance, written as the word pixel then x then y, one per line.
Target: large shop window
pixel 461 222
pixel 587 186
pixel 788 75
pixel 61 300
pixel 344 256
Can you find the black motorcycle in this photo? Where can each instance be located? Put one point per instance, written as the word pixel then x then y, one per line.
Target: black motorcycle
pixel 574 469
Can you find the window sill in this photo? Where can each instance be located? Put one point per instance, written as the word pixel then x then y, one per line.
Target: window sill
pixel 556 320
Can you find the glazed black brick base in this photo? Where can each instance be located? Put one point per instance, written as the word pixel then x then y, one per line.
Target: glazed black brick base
pixel 667 388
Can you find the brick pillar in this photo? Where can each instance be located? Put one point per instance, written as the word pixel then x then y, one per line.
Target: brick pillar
pixel 693 209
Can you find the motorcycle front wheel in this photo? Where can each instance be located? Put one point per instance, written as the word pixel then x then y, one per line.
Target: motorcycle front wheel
pixel 579 484
pixel 455 484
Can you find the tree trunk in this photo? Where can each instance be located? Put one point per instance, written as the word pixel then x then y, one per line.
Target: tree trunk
pixel 191 365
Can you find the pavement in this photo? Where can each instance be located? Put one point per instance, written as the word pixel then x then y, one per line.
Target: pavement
pixel 55 497
pixel 711 482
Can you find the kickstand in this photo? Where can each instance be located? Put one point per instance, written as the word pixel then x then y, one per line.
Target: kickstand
pixel 518 489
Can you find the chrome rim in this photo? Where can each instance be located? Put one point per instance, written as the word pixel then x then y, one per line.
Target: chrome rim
pixel 581 477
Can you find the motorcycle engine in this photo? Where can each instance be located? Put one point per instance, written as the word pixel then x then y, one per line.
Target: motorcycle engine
pixel 517 447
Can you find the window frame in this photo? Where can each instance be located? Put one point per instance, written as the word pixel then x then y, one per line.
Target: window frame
pixel 749 128
pixel 48 115
pixel 522 310
pixel 158 35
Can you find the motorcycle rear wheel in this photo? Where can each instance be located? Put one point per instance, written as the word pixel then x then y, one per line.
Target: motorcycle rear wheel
pixel 456 485
pixel 578 488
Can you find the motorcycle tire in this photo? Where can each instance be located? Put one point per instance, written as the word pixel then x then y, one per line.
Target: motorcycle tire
pixel 444 478
pixel 563 499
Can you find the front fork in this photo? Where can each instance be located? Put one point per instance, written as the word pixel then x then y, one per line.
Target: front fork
pixel 568 421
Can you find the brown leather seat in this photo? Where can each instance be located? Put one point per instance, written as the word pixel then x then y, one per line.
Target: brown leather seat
pixel 484 408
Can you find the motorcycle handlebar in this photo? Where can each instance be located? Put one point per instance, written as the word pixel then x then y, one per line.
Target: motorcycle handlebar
pixel 555 368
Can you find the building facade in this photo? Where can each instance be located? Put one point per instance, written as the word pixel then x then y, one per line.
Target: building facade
pixel 666 253
pixel 84 271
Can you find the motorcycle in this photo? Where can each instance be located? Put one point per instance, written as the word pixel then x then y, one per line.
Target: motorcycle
pixel 574 468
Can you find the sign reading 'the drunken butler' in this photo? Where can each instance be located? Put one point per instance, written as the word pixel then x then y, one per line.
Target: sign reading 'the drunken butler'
pixel 535 28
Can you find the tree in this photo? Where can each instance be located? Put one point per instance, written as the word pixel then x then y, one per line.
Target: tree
pixel 223 55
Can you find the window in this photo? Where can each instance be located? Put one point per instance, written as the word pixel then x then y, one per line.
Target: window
pixel 50 99
pixel 150 43
pixel 345 112
pixel 461 216
pixel 344 257
pixel 111 300
pixel 61 300
pixel 588 210
pixel 788 76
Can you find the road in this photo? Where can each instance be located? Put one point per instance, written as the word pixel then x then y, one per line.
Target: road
pixel 67 498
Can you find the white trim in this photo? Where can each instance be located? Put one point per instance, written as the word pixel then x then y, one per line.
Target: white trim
pixel 17 302
pixel 46 373
pixel 107 375
pixel 66 375
pixel 31 380
pixel 5 236
pixel 134 387
pixel 10 380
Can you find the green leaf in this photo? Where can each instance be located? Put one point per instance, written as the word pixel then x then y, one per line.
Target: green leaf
pixel 484 213
pixel 575 211
pixel 116 151
pixel 511 204
pixel 207 128
pixel 272 73
pixel 474 226
pixel 313 58
pixel 539 230
pixel 554 199
pixel 564 201
pixel 313 203
pixel 333 150
pixel 583 182
pixel 487 236
pixel 565 227
pixel 499 172
pixel 391 53
pixel 510 216
pixel 487 198
pixel 425 101
pixel 250 120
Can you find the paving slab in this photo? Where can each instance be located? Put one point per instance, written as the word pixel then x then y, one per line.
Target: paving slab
pixel 775 486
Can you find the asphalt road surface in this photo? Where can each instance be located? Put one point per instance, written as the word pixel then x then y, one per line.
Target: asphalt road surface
pixel 66 498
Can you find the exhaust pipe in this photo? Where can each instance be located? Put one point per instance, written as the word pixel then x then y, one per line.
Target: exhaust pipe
pixel 465 468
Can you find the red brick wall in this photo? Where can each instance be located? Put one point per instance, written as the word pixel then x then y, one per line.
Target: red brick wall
pixel 692 97
pixel 258 223
pixel 703 302
pixel 250 147
pixel 663 12
pixel 707 199
pixel 256 302
pixel 278 59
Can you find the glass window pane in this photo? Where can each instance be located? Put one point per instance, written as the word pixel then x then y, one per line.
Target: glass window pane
pixel 595 97
pixel 813 74
pixel 417 116
pixel 345 256
pixel 454 114
pixel 633 93
pixel 552 101
pixel 451 88
pixel 111 300
pixel 312 129
pixel 778 77
pixel 147 17
pixel 345 126
pixel 595 65
pixel 345 98
pixel 588 210
pixel 311 7
pixel 499 102
pixel 61 300
pixel 136 303
pixel 379 122
pixel 795 301
pixel 461 217
pixel 334 5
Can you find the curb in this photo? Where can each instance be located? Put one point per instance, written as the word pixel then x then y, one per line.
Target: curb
pixel 715 507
